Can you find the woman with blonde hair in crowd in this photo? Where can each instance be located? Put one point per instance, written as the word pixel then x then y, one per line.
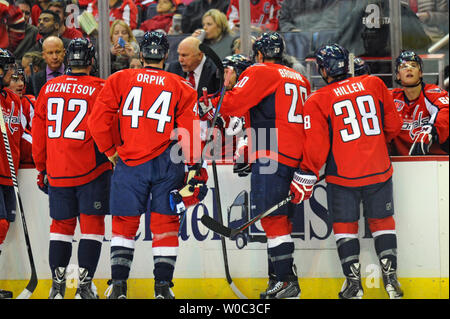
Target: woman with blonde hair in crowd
pixel 217 32
pixel 123 45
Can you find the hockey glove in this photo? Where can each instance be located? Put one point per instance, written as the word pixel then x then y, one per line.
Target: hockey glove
pixel 302 186
pixel 42 181
pixel 424 140
pixel 235 125
pixel 193 192
pixel 242 166
pixel 205 104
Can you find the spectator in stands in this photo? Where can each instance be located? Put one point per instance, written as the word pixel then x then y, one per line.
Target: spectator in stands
pixel 217 32
pixel 434 15
pixel 12 26
pixel 135 62
pixel 49 25
pixel 193 14
pixel 123 45
pixel 31 31
pixel 35 59
pixel 68 32
pixel 53 53
pixel 17 85
pixel 163 19
pixel 263 15
pixel 236 44
pixel 25 7
pixel 37 9
pixel 32 62
pixel 195 67
pixel 124 10
pixel 309 15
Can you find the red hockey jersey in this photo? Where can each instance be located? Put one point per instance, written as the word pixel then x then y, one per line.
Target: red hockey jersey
pixel 15 127
pixel 124 10
pixel 150 103
pixel 430 107
pixel 263 13
pixel 12 26
pixel 26 158
pixel 273 94
pixel 347 126
pixel 63 144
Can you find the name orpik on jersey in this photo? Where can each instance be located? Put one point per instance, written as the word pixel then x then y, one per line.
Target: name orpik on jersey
pixel 150 79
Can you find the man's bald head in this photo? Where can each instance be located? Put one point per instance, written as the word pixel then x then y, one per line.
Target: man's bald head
pixel 53 52
pixel 189 54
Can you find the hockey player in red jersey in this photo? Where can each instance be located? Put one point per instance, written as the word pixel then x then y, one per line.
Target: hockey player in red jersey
pixel 348 124
pixel 230 129
pixel 423 108
pixel 11 109
pixel 273 95
pixel 72 171
pixel 150 104
pixel 17 85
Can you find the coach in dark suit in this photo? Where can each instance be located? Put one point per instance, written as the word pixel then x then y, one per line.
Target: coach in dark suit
pixel 195 67
pixel 53 53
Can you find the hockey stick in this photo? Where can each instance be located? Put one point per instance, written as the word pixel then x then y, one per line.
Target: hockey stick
pixel 32 283
pixel 221 229
pixel 216 60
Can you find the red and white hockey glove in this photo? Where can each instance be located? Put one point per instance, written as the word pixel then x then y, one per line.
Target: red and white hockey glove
pixel 42 181
pixel 423 141
pixel 241 165
pixel 234 125
pixel 194 191
pixel 302 186
pixel 205 104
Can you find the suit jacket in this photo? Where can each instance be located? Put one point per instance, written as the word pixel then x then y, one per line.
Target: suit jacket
pixel 208 77
pixel 37 81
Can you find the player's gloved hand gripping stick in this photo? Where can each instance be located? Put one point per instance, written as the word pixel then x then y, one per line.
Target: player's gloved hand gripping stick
pixel 302 180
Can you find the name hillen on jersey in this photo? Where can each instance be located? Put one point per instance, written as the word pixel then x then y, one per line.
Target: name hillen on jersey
pixel 349 89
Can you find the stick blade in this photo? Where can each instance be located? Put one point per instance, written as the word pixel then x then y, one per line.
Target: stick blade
pixel 215 226
pixel 25 294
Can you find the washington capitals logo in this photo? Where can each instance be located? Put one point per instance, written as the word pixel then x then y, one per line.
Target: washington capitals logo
pixel 10 119
pixel 399 104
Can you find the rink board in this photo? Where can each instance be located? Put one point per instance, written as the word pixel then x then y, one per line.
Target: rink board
pixel 421 189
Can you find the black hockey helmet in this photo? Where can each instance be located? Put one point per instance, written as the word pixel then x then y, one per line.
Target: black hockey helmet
pixel 270 44
pixel 6 61
pixel 80 52
pixel 333 59
pixel 408 56
pixel 154 45
pixel 361 67
pixel 238 62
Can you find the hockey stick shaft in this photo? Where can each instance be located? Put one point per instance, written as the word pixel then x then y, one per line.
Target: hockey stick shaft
pixel 209 52
pixel 31 286
pixel 231 232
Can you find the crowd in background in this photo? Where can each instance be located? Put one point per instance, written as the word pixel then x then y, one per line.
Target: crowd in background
pixel 37 32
